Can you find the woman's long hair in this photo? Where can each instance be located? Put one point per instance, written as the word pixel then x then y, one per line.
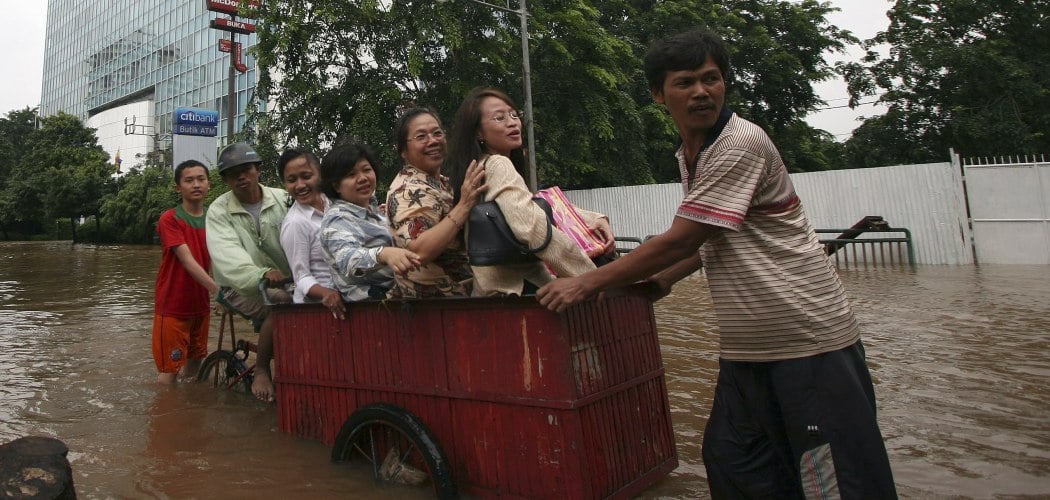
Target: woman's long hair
pixel 464 145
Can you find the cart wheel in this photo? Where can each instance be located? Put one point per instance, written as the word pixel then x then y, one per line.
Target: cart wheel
pixel 399 447
pixel 223 369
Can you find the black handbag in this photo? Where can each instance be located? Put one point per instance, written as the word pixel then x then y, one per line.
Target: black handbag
pixel 490 242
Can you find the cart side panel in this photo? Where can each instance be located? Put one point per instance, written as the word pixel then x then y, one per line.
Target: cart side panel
pixel 515 451
pixel 397 345
pixel 526 403
pixel 614 447
pixel 502 351
pixel 377 347
pixel 314 412
pixel 613 342
pixel 631 439
pixel 312 351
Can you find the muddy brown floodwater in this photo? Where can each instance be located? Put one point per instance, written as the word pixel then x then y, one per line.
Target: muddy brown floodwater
pixel 960 358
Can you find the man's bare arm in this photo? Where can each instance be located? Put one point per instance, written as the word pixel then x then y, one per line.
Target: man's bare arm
pixel 679 243
pixel 668 277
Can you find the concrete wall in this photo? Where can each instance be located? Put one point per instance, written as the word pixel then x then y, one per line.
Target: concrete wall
pixel 111 136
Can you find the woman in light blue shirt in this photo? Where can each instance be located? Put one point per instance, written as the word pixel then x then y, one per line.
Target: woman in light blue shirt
pixel 354 237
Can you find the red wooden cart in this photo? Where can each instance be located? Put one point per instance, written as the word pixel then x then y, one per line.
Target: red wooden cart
pixel 487 397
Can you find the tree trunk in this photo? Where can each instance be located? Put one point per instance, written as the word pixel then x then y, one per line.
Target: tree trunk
pixel 73 227
pixel 98 228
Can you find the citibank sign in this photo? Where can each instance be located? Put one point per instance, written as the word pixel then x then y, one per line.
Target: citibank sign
pixel 195 121
pixel 196 116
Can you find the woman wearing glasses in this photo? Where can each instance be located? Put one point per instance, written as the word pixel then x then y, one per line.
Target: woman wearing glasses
pixel 422 215
pixel 488 131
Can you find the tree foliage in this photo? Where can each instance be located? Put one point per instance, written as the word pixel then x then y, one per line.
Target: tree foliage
pixel 55 171
pixel 15 129
pixel 342 67
pixel 71 172
pixel 143 194
pixel 972 75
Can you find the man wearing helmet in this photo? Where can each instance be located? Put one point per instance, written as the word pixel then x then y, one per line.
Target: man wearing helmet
pixel 244 238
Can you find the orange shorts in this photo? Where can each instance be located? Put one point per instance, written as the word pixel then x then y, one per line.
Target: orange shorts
pixel 176 340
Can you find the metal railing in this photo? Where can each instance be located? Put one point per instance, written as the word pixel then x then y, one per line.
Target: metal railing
pixel 625 244
pixel 881 246
pixel 878 251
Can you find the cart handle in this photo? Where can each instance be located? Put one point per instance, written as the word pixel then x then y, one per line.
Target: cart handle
pixel 265 284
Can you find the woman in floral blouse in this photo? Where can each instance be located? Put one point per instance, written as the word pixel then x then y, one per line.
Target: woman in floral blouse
pixel 420 210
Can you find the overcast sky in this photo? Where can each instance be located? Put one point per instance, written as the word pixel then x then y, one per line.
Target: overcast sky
pixel 22 39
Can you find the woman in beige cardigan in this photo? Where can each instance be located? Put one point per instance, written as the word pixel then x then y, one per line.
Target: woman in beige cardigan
pixel 488 129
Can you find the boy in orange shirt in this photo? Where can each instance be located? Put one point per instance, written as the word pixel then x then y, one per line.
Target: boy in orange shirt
pixel 181 317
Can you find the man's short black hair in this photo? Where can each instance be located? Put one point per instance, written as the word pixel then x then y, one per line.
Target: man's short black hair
pixel 187 164
pixel 684 51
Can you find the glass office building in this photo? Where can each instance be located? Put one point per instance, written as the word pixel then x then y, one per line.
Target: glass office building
pixel 118 60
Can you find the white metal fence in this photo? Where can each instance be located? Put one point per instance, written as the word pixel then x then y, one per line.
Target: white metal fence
pixel 999 213
pixel 1009 201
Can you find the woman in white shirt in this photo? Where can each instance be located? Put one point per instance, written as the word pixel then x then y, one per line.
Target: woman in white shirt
pixel 300 231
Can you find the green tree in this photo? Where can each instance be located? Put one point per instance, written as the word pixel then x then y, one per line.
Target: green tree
pixel 137 204
pixel 972 75
pixel 777 52
pixel 346 68
pixel 65 173
pixel 15 128
pixel 878 142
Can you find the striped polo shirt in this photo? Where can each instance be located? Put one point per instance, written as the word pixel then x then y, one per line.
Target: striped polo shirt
pixel 776 294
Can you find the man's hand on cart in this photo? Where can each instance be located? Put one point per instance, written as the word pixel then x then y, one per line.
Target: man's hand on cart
pixel 275 278
pixel 272 288
pixel 562 293
pixel 657 288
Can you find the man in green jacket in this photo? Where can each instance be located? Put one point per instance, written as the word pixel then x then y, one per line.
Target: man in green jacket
pixel 243 231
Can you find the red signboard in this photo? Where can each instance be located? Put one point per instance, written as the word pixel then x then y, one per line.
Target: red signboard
pixel 233 26
pixel 238 61
pixel 225 45
pixel 231 6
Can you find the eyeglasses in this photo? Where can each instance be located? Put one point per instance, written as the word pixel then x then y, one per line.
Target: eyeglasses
pixel 502 117
pixel 423 136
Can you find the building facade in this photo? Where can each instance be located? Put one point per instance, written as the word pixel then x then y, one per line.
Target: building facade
pixel 123 66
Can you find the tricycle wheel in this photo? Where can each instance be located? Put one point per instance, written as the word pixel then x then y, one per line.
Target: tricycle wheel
pixel 400 449
pixel 224 370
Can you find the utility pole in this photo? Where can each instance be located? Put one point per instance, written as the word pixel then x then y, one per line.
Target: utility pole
pixel 523 12
pixel 231 95
pixel 233 26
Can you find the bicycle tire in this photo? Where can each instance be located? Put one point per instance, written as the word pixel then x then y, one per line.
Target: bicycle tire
pixel 222 369
pixel 378 429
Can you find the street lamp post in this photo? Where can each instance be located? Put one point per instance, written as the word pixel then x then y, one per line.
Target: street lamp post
pixel 523 13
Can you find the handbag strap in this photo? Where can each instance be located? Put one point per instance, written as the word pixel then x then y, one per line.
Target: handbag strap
pixel 505 231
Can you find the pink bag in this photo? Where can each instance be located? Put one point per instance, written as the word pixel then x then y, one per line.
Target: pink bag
pixel 569 221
